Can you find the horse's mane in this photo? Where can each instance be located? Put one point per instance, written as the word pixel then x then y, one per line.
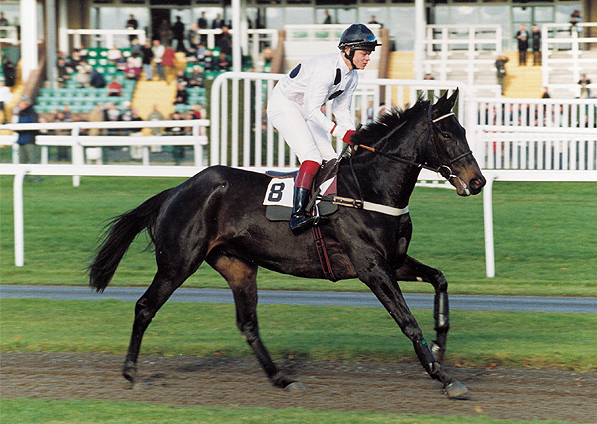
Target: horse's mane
pixel 383 124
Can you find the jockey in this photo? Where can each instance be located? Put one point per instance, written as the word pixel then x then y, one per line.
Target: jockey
pixel 294 109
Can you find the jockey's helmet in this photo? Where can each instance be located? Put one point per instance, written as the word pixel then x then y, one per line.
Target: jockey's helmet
pixel 358 37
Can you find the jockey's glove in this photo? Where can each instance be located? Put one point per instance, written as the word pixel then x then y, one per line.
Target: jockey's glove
pixel 344 133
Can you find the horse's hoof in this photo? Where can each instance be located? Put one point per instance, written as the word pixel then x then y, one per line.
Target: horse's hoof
pixel 295 386
pixel 455 390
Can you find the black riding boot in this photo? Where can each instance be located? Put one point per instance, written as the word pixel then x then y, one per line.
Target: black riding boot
pixel 300 218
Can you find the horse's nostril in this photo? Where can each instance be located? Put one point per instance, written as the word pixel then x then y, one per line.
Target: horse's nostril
pixel 477 183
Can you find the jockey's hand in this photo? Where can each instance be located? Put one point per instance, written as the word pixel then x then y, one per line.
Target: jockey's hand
pixel 344 133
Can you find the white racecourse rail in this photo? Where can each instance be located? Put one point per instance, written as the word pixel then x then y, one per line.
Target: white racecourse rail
pixel 240 136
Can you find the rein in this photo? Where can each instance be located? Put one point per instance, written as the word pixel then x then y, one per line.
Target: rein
pixel 444 170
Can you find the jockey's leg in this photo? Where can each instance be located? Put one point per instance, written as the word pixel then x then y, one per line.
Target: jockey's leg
pixel 301 218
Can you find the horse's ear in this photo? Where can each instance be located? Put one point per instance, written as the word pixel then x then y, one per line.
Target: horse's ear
pixel 452 99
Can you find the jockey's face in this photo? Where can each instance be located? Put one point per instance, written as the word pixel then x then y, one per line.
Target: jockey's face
pixel 361 58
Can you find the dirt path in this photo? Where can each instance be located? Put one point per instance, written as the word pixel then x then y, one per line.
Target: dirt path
pixel 391 388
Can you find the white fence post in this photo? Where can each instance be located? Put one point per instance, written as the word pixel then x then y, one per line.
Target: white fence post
pixel 19 224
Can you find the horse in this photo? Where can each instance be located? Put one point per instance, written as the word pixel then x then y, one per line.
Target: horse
pixel 218 217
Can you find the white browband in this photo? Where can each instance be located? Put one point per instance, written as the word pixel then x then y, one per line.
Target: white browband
pixel 442 117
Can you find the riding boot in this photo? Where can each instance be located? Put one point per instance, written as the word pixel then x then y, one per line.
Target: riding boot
pixel 300 218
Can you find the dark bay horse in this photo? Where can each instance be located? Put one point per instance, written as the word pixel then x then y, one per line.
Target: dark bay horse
pixel 218 216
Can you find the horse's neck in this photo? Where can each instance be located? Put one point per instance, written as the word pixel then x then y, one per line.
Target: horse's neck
pixel 383 179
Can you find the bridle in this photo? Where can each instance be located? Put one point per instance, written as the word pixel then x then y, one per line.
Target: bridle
pixel 444 170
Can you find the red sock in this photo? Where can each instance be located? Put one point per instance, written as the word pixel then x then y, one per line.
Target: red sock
pixel 306 173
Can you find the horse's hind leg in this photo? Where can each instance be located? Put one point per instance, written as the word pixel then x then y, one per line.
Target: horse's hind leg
pixel 147 306
pixel 413 270
pixel 241 278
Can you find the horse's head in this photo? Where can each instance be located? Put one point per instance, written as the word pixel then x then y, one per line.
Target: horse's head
pixel 454 159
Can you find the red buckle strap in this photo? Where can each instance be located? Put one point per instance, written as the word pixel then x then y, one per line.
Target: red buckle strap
pixel 326 266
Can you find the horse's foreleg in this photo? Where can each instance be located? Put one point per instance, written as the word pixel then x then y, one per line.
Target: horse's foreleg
pixel 241 278
pixel 413 270
pixel 383 284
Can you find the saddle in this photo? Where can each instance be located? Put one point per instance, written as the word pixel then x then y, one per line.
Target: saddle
pixel 323 183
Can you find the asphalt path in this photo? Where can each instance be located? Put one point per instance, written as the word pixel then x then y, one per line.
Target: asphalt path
pixel 306 298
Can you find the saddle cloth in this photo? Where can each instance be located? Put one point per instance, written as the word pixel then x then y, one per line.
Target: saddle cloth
pixel 279 195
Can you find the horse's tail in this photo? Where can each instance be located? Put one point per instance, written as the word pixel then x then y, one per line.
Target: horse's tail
pixel 118 236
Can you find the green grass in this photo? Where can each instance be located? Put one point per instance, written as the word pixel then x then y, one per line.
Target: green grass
pixel 477 339
pixel 34 411
pixel 544 237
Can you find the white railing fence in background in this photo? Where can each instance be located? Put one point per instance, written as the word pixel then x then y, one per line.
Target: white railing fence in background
pixel 241 136
pixel 469 49
pixel 567 53
pixel 87 149
pixel 553 134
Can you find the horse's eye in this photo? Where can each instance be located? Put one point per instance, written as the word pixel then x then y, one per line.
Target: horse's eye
pixel 446 135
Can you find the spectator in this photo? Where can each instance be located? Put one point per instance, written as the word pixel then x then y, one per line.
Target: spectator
pixel 574 21
pixel 132 24
pixel 82 77
pixel 202 21
pixel 26 139
pixel 147 57
pixel 169 63
pixel 585 92
pixel 182 78
pixel 115 88
pixel 178 152
pixel 193 38
pixel 197 112
pixel 224 41
pixel 202 24
pixel 9 71
pixel 328 18
pixel 208 61
pixel 373 20
pixel 500 66
pixel 165 32
pixel 182 95
pixel 114 55
pixel 429 76
pixel 62 72
pixel 81 53
pixel 546 94
pixel 5 99
pixel 223 63
pixel 155 115
pixel 113 116
pixel 523 44
pixel 197 77
pixel 200 53
pixel 59 116
pixel 96 115
pixel 178 34
pixel 96 80
pixel 217 23
pixel 158 53
pixel 133 67
pixel 536 37
pixel 68 116
pixel 136 47
pixel 3 23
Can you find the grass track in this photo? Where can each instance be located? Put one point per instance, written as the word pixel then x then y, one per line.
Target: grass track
pixel 544 237
pixel 31 411
pixel 477 339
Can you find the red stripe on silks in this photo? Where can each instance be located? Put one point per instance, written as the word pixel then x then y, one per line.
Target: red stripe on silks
pixel 306 173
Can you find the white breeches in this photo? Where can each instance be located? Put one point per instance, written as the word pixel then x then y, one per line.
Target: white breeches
pixel 307 141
